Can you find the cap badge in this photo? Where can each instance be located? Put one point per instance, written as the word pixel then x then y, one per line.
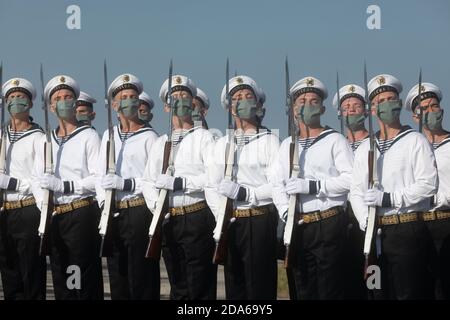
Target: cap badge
pixel 62 79
pixel 239 80
pixel 310 82
pixel 16 82
pixel 126 78
pixel 381 80
pixel 178 80
pixel 351 89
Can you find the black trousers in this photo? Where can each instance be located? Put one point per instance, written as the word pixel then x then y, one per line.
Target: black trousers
pixel 188 248
pixel 407 250
pixel 23 270
pixel 354 285
pixel 319 258
pixel 131 275
pixel 440 233
pixel 75 242
pixel 251 267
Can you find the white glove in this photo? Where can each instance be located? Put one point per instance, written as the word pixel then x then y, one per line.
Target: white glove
pixel 373 197
pixel 297 185
pixel 50 182
pixel 229 189
pixel 440 200
pixel 4 181
pixel 112 181
pixel 165 181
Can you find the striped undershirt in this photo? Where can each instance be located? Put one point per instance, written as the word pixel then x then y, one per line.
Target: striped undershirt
pixel 306 142
pixel 125 135
pixel 243 139
pixel 16 135
pixel 436 145
pixel 178 135
pixel 356 144
pixel 384 145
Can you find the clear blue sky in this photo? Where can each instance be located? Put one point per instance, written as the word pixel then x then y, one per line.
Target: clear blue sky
pixel 139 37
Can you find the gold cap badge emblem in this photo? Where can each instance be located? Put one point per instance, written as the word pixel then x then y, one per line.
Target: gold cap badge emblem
pixel 16 82
pixel 126 78
pixel 62 80
pixel 178 80
pixel 239 80
pixel 351 89
pixel 310 82
pixel 381 80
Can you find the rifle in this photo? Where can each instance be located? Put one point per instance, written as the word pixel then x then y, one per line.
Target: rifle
pixel 2 140
pixel 340 116
pixel 226 205
pixel 162 204
pixel 110 194
pixel 419 101
pixel 47 202
pixel 373 183
pixel 294 171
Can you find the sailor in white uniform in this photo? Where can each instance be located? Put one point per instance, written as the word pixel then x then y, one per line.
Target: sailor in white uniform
pixel 73 231
pixel 407 177
pixel 325 160
pixel 353 110
pixel 438 218
pixel 23 270
pixel 187 242
pixel 131 275
pixel 145 109
pixel 251 263
pixel 85 108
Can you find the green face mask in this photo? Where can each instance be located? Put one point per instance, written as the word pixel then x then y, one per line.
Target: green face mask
pixel 246 109
pixel 433 120
pixel 182 107
pixel 83 118
pixel 310 114
pixel 196 115
pixel 65 109
pixel 147 117
pixel 18 105
pixel 129 107
pixel 389 112
pixel 355 122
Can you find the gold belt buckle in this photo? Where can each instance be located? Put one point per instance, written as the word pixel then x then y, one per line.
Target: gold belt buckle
pixel 395 219
pixel 317 216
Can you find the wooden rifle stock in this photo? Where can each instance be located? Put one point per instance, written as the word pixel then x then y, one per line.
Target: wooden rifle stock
pixel 155 239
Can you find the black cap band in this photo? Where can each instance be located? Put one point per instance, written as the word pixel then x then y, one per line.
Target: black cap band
pixel 306 90
pixel 352 95
pixel 18 89
pixel 423 96
pixel 84 103
pixel 124 87
pixel 381 90
pixel 60 87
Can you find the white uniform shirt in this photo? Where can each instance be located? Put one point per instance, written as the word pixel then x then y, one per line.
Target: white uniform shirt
pixel 189 163
pixel 255 169
pixel 131 158
pixel 74 160
pixel 407 170
pixel 330 160
pixel 20 156
pixel 442 154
